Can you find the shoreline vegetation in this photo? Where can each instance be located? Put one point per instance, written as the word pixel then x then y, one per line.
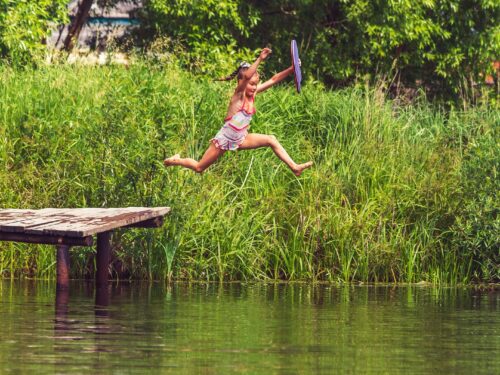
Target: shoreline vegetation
pixel 398 193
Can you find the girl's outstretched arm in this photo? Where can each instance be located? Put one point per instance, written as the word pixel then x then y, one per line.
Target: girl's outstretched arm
pixel 278 77
pixel 248 74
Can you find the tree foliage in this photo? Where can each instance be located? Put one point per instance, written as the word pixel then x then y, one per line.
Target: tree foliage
pixel 25 24
pixel 212 31
pixel 444 45
pixel 437 42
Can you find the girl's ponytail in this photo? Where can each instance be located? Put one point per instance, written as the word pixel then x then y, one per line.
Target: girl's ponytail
pixel 229 77
pixel 243 66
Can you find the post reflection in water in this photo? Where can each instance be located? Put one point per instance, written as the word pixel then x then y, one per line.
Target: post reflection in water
pixel 73 324
pixel 101 302
pixel 61 324
pixel 101 317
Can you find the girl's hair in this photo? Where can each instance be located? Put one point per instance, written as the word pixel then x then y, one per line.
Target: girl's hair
pixel 238 72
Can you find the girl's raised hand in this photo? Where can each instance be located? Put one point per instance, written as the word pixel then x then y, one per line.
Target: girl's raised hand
pixel 265 53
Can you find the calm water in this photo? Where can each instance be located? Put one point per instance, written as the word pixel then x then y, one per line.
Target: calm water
pixel 248 329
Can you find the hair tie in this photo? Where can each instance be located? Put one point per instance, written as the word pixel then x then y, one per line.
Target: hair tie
pixel 243 65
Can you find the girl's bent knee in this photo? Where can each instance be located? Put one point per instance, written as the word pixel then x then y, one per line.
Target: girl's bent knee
pixel 199 169
pixel 272 140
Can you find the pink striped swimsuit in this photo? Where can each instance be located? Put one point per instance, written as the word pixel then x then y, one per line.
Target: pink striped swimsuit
pixel 235 129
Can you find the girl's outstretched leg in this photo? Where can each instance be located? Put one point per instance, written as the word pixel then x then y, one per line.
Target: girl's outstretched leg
pixel 209 157
pixel 262 140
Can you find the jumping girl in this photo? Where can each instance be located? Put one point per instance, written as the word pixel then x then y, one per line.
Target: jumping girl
pixel 234 133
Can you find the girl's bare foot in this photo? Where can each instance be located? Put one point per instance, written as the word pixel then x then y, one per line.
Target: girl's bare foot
pixel 300 168
pixel 171 160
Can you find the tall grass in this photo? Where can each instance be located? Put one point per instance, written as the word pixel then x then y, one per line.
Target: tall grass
pixel 391 197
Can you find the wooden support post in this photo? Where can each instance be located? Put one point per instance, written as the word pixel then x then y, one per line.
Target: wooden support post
pixel 62 267
pixel 103 258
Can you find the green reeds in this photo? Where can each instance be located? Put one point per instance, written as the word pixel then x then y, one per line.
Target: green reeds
pixel 387 200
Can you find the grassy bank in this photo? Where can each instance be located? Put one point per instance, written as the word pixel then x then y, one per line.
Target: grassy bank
pixel 396 194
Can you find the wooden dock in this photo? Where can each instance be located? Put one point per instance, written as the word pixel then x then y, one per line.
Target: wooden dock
pixel 66 227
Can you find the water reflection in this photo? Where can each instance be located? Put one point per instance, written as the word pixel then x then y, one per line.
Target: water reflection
pixel 248 328
pixel 66 327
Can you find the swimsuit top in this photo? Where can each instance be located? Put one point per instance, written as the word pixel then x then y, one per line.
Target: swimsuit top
pixel 241 119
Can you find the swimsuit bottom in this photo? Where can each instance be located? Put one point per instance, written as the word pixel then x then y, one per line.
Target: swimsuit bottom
pixel 229 137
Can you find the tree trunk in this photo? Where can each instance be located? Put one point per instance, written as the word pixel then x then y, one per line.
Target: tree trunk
pixel 76 25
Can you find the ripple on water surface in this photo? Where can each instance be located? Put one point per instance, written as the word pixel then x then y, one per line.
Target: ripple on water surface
pixel 248 329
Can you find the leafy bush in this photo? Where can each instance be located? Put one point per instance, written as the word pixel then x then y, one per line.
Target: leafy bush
pixel 24 25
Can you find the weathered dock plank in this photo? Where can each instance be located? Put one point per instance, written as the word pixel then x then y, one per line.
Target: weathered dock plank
pixel 66 227
pixel 77 222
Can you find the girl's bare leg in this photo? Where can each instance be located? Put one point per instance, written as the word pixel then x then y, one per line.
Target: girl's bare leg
pixel 209 157
pixel 262 140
